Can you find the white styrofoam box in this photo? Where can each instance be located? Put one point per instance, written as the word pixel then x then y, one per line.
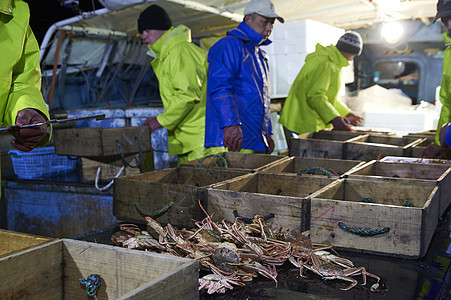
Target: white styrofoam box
pixel 284 69
pixel 302 36
pixel 399 120
pixel 114 118
pixel 292 42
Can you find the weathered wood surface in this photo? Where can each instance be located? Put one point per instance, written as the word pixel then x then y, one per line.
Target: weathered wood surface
pixel 322 144
pixel 374 146
pixel 13 242
pixel 415 172
pixel 184 186
pixel 110 167
pixel 53 270
pixel 236 160
pixel 411 228
pixel 98 141
pixel 284 195
pixel 295 164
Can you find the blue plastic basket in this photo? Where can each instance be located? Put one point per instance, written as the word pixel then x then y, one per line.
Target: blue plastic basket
pixel 40 162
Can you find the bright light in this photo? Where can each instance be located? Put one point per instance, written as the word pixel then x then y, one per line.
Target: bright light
pixel 392 32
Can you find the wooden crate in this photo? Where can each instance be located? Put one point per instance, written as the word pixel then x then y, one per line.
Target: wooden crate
pixel 322 144
pixel 96 141
pixel 429 173
pixel 150 191
pixel 342 203
pixel 53 270
pixel 13 242
pixel 373 146
pixel 283 195
pixel 423 134
pixel 336 167
pixel 236 160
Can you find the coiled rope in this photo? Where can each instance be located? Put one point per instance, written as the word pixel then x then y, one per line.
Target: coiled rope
pixel 92 284
pixel 213 155
pixel 315 169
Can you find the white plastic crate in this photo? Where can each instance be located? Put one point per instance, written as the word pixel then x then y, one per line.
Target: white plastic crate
pixel 40 162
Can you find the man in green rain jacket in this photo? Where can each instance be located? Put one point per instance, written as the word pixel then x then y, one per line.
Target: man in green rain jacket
pixel 436 150
pixel 180 67
pixel 21 101
pixel 312 103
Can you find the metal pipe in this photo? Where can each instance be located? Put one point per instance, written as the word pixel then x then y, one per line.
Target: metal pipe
pixel 55 26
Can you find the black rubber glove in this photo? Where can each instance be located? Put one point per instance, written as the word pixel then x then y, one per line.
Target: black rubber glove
pixel 27 139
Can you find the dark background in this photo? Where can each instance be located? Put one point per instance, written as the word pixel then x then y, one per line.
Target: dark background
pixel 44 13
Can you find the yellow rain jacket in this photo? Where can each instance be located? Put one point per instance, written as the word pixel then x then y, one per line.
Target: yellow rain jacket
pixel 181 69
pixel 445 88
pixel 312 101
pixel 20 74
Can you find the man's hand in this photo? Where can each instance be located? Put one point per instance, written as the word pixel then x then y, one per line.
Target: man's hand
pixel 434 151
pixel 355 119
pixel 153 124
pixel 27 139
pixel 341 124
pixel 233 138
pixel 271 145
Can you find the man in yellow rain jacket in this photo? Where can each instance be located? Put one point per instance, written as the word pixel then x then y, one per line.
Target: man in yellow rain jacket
pixel 312 103
pixel 21 101
pixel 436 150
pixel 180 67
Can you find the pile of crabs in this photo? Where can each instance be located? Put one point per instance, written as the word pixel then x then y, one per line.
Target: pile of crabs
pixel 236 253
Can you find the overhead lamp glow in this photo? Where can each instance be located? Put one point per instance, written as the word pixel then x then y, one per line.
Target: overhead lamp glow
pixel 392 32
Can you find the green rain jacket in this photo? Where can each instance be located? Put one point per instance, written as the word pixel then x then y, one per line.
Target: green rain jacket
pixel 445 88
pixel 312 101
pixel 181 69
pixel 20 74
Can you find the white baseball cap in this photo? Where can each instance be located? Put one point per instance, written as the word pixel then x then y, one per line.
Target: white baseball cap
pixel 264 8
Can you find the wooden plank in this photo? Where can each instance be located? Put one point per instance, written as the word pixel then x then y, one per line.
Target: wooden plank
pixel 13 242
pixel 236 160
pixel 297 164
pixel 110 167
pixel 96 141
pixel 411 228
pixel 34 273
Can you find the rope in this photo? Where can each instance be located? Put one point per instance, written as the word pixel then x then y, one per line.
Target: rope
pixel 315 169
pixel 155 213
pixel 110 183
pixel 250 220
pixel 364 232
pixel 122 154
pixel 367 200
pixel 213 155
pixel 92 284
pixel 407 204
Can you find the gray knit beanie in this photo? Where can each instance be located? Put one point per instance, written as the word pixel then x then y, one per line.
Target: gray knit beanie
pixel 350 42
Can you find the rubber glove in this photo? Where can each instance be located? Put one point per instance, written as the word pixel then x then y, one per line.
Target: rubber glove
pixel 153 124
pixel 27 139
pixel 434 151
pixel 233 138
pixel 342 124
pixel 271 145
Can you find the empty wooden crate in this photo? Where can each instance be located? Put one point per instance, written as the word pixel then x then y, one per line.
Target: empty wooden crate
pixel 411 172
pixel 12 242
pixel 138 195
pixel 294 165
pixel 322 144
pixel 235 160
pixel 283 195
pixel 394 218
pixel 374 146
pixel 53 271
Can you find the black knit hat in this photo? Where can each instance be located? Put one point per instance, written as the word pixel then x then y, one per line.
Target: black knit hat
pixel 154 17
pixel 350 42
pixel 443 9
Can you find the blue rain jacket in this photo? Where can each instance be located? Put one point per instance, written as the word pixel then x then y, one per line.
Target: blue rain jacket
pixel 238 89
